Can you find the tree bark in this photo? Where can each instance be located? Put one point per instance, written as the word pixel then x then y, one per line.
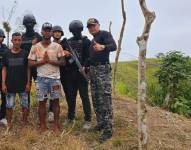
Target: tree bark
pixel 142 43
pixel 119 44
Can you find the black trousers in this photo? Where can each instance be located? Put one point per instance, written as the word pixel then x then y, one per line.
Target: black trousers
pixel 3 100
pixel 3 106
pixel 72 81
pixel 34 76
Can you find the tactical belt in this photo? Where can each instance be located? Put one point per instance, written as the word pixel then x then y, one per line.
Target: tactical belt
pixel 99 63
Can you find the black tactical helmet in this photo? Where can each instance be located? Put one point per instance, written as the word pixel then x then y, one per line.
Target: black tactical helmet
pixel 57 28
pixel 76 25
pixel 29 18
pixel 2 34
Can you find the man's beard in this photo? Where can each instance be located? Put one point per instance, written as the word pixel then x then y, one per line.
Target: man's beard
pixel 46 38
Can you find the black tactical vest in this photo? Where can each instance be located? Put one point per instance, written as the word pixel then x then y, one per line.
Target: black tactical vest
pixel 3 48
pixel 27 41
pixel 78 46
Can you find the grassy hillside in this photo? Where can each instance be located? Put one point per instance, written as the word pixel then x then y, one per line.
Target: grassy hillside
pixel 167 131
pixel 128 73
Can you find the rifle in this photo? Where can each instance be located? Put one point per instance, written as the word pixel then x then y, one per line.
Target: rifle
pixel 75 58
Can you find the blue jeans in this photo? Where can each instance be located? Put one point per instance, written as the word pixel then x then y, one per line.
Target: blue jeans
pixel 48 88
pixel 10 99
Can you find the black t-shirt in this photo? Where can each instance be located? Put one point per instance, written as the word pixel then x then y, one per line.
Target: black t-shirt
pixel 16 65
pixel 104 38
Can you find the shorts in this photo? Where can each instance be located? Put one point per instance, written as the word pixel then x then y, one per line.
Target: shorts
pixel 10 99
pixel 48 88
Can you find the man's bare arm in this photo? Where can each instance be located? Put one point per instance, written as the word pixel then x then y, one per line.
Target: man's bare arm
pixel 33 63
pixel 4 76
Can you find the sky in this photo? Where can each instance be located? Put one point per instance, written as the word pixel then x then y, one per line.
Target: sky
pixel 170 31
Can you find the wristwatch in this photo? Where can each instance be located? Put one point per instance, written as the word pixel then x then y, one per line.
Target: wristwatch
pixel 103 46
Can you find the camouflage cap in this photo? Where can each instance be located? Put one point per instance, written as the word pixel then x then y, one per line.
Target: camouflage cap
pixel 47 25
pixel 92 21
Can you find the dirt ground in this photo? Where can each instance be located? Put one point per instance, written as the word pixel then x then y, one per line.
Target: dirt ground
pixel 167 131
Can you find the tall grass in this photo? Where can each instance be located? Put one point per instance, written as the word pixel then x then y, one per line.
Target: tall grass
pixel 127 77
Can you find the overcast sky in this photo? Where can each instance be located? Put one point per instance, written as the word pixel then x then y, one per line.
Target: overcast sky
pixel 170 31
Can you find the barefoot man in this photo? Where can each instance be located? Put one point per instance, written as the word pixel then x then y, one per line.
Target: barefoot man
pixel 47 56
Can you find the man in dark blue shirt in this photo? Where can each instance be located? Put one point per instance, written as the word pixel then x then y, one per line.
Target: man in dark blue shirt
pixel 100 75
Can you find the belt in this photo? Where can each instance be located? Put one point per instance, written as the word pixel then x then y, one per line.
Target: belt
pixel 99 63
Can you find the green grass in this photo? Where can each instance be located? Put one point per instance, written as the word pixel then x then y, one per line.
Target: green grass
pixel 127 76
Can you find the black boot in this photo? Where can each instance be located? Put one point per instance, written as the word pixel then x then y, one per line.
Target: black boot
pixel 97 129
pixel 106 135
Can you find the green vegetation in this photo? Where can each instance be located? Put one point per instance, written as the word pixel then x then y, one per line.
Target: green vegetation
pixel 169 75
pixel 127 76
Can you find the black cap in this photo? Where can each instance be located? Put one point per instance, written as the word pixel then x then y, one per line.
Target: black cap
pixel 92 21
pixel 47 25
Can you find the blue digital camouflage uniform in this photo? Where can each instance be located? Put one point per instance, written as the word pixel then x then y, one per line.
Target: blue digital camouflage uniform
pixel 101 76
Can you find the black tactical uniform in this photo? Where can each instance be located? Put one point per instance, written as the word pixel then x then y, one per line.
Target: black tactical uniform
pixel 71 78
pixel 29 21
pixel 3 49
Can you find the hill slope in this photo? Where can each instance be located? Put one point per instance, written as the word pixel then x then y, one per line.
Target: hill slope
pixel 127 75
pixel 167 131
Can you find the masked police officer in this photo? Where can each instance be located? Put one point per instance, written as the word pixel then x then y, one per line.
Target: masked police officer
pixel 3 48
pixel 71 78
pixel 30 37
pixel 100 75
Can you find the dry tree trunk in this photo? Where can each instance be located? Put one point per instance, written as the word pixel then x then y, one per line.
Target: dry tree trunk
pixel 7 28
pixel 119 44
pixel 6 23
pixel 142 43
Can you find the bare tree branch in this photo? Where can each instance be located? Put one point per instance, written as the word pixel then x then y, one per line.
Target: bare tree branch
pixel 12 11
pixel 119 44
pixel 110 23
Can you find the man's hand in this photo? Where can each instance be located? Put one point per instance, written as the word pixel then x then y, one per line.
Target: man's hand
pixel 98 47
pixel 4 88
pixel 46 57
pixel 28 88
pixel 66 53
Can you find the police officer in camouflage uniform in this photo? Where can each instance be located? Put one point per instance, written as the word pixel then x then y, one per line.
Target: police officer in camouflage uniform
pixel 30 37
pixel 71 78
pixel 3 49
pixel 100 75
